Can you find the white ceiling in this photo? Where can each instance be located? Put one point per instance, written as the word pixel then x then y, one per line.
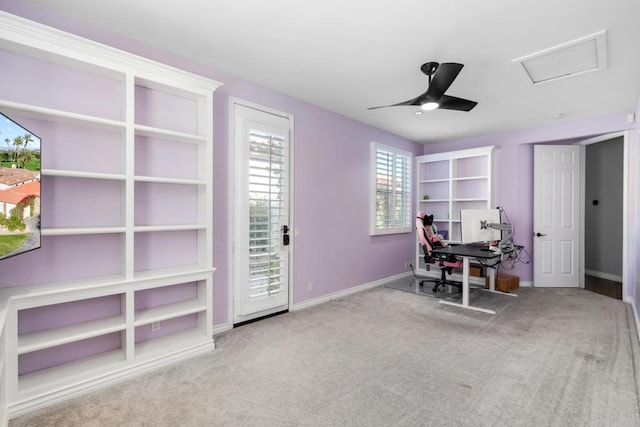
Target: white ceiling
pixel 347 55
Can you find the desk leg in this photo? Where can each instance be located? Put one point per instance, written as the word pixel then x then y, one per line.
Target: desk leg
pixel 465 281
pixel 465 290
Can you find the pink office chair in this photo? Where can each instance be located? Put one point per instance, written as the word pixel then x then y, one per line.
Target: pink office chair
pixel 429 240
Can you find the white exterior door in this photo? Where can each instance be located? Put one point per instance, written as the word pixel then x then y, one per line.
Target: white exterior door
pixel 556 219
pixel 261 213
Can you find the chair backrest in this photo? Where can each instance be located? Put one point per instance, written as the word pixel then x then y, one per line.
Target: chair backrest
pixel 423 234
pixel 429 240
pixel 424 225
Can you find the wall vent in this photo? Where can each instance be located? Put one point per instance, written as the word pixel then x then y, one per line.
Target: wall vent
pixel 569 59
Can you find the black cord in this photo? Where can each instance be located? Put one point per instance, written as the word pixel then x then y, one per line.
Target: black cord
pixel 413 270
pixel 517 257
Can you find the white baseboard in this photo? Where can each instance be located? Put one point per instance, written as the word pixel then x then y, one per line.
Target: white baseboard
pixel 340 294
pixel 223 327
pixel 602 275
pixel 630 301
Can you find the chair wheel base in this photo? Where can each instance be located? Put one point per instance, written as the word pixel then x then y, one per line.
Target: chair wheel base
pixel 439 286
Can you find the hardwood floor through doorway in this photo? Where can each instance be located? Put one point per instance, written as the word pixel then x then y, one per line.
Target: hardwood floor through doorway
pixel 606 287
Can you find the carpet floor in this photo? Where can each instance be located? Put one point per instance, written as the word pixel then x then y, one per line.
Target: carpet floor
pixel 550 357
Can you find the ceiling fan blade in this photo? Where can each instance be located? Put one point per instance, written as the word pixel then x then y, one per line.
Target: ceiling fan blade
pixel 414 101
pixel 442 79
pixel 453 103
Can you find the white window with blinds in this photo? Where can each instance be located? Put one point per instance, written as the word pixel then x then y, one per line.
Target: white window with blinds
pixel 390 190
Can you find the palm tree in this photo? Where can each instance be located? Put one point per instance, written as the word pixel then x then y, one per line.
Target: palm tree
pixel 26 155
pixel 17 142
pixel 7 141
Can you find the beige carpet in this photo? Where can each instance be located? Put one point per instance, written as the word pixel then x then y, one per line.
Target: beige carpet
pixel 551 357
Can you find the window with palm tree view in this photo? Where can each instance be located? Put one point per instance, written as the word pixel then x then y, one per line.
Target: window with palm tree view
pixel 19 189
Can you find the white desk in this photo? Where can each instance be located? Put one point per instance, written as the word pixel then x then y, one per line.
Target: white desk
pixel 467 252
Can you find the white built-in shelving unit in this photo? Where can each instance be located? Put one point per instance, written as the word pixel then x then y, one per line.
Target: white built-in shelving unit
pixel 449 182
pixel 127 215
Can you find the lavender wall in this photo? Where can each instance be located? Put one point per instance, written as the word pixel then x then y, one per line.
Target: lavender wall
pixel 331 195
pixel 514 172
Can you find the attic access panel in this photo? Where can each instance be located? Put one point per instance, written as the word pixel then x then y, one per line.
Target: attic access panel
pixel 569 59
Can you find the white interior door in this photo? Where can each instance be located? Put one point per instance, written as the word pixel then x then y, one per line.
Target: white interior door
pixel 261 213
pixel 556 219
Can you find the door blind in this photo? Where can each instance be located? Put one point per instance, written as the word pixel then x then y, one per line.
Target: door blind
pixel 267 210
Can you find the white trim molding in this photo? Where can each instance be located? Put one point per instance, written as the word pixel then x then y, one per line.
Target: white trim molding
pixel 346 292
pixel 629 300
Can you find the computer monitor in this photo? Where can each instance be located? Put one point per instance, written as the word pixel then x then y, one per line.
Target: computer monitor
pixel 470 224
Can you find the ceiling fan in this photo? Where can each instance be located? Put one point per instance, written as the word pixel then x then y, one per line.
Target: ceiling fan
pixel 440 78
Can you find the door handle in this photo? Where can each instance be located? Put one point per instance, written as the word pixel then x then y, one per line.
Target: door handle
pixel 539 234
pixel 285 235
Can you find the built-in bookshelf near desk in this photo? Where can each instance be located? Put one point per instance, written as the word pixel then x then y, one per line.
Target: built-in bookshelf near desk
pixel 126 279
pixel 451 181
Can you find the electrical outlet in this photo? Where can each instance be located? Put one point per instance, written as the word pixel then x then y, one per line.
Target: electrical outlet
pixel 310 287
pixel 155 326
pixel 408 265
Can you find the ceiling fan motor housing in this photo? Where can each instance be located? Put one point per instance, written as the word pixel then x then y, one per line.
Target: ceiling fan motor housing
pixel 429 68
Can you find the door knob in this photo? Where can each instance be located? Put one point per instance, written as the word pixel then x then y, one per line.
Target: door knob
pixel 539 234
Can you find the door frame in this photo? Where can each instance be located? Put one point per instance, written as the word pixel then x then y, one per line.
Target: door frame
pixel 231 230
pixel 625 202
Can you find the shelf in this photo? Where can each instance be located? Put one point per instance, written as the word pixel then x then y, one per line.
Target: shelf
pixel 178 227
pixel 74 231
pixel 53 337
pixel 162 180
pixel 78 174
pixel 176 342
pixel 433 181
pixel 71 372
pixel 445 220
pixel 172 272
pixel 434 201
pixel 482 199
pixel 170 135
pixel 45 113
pixel 470 178
pixel 169 311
